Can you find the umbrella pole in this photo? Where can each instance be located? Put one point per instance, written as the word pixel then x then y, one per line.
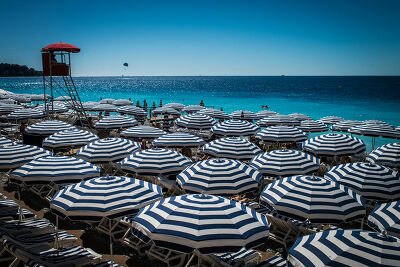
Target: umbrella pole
pixel 20 208
pixel 111 244
pixel 57 244
pixel 191 259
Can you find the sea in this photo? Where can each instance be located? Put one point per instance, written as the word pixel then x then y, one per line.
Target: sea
pixel 350 97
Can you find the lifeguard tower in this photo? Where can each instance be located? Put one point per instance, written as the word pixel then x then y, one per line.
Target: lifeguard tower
pixel 56 60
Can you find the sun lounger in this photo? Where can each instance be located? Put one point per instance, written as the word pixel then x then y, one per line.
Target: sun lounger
pixel 274 261
pixel 167 256
pixel 32 226
pixel 74 256
pixel 244 257
pixel 116 227
pixel 61 240
pixel 133 238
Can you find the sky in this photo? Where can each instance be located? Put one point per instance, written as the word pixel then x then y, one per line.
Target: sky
pixel 329 37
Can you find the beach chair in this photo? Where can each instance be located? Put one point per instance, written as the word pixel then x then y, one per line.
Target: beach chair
pixel 61 239
pixel 32 227
pixel 167 256
pixel 275 261
pixel 134 238
pixel 244 257
pixel 115 225
pixel 171 185
pixel 74 256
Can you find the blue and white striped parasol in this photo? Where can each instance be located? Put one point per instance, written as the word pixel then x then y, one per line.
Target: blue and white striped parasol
pixel 195 121
pixel 165 111
pixel 203 223
pixel 331 119
pixel 300 116
pixel 334 144
pixel 5 142
pixel 154 162
pixel 345 248
pixel 122 102
pixel 56 169
pixel 388 155
pixel 192 108
pixel 235 128
pixel 281 134
pixel 374 130
pixel 232 147
pixel 313 198
pixel 219 177
pixel 48 127
pixel 70 138
pixel 178 140
pixel 104 107
pixel 14 156
pixel 278 119
pixel 345 125
pixel 386 218
pixel 371 181
pixel 265 113
pixel 143 131
pixel 108 150
pixel 285 162
pixel 8 108
pixel 53 108
pixel 110 197
pixel 243 115
pixel 26 113
pixel 115 122
pixel 312 126
pixel 176 106
pixel 132 110
pixel 213 113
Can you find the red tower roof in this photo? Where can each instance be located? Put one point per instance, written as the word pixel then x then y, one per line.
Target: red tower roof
pixel 61 47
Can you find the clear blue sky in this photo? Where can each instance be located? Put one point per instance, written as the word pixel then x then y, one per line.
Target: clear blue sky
pixel 323 37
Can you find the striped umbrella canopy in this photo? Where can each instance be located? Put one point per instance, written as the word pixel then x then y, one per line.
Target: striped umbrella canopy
pixel 313 198
pixel 243 115
pixel 203 223
pixel 14 156
pixel 377 122
pixel 334 144
pixel 89 105
pixel 219 177
pixel 106 101
pixel 192 108
pixel 63 98
pixel 8 108
pixel 70 138
pixel 132 110
pixel 374 130
pixel 213 113
pixel 155 162
pixel 369 180
pixel 40 97
pixel 232 147
pixel 165 111
pixel 20 98
pixel 282 134
pixel 285 162
pixel 398 128
pixel 265 113
pixel 111 197
pixel 56 169
pixel 108 150
pixel 195 121
pixel 143 131
pixel 300 116
pixel 26 113
pixel 388 155
pixel 386 218
pixel 105 107
pixel 5 142
pixel 345 125
pixel 278 119
pixel 178 140
pixel 176 106
pixel 235 128
pixel 331 119
pixel 53 108
pixel 48 127
pixel 312 126
pixel 122 102
pixel 345 248
pixel 9 101
pixel 115 122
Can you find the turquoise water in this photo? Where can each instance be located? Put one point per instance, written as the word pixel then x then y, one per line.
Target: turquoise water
pixel 359 97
